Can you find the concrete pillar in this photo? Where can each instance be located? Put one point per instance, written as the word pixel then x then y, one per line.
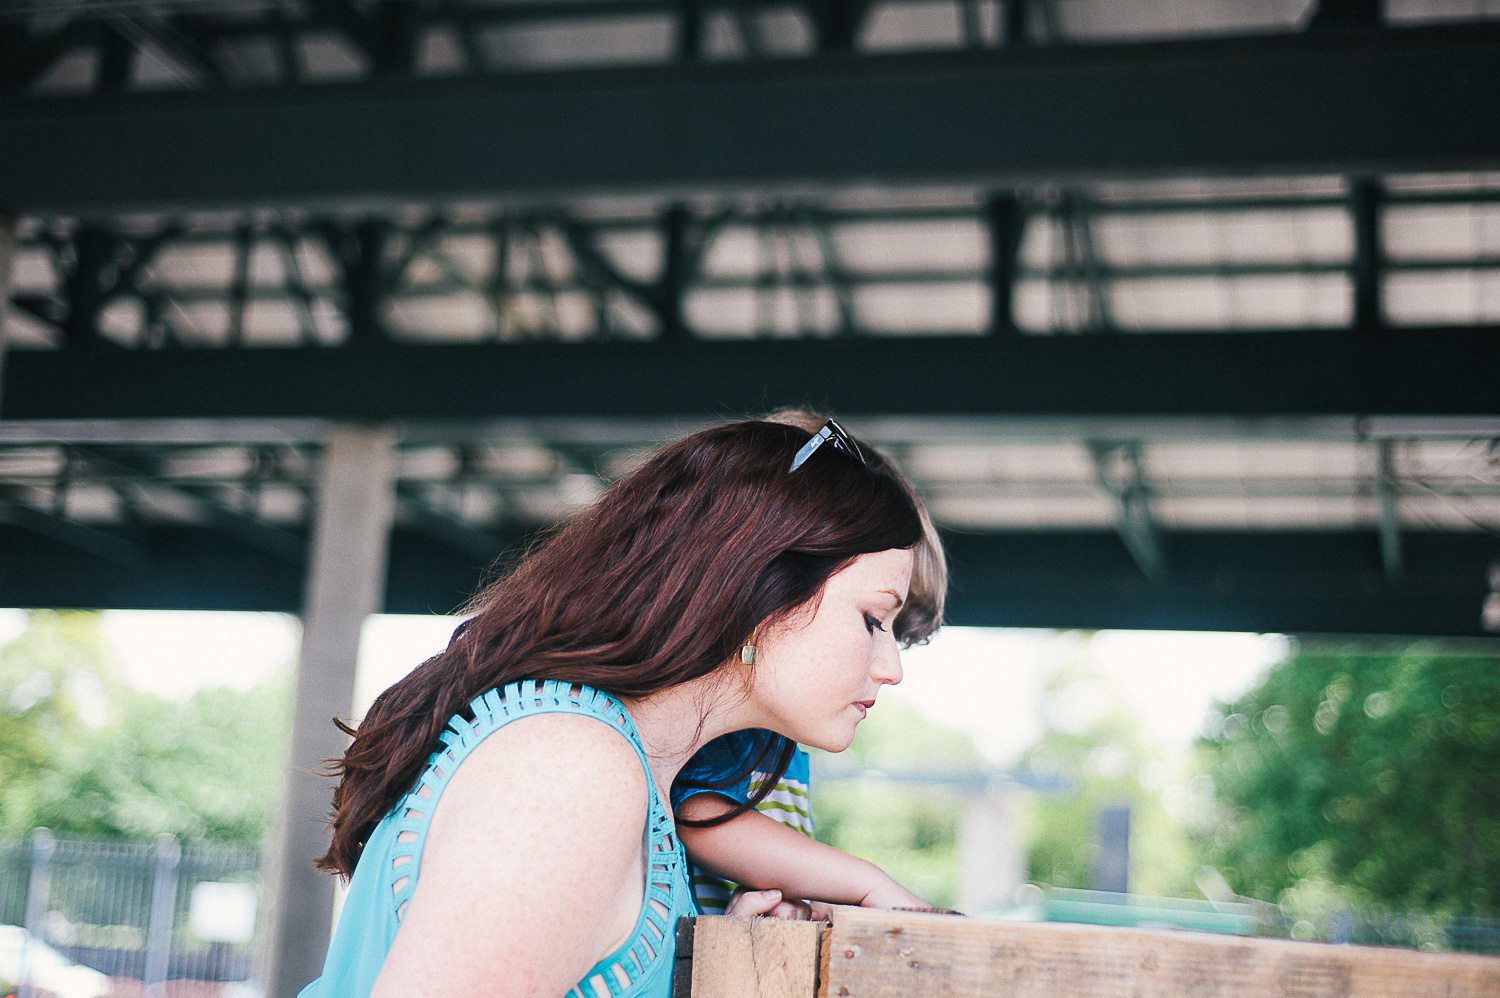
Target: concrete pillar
pixel 991 861
pixel 345 584
pixel 7 268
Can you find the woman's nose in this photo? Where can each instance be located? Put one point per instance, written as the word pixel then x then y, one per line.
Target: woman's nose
pixel 887 665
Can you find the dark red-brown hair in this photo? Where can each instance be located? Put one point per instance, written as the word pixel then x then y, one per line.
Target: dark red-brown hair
pixel 659 583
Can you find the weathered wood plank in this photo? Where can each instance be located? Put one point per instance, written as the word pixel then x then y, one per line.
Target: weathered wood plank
pixel 682 969
pixel 755 958
pixel 884 954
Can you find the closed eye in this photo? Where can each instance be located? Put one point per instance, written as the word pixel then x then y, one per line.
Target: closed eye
pixel 872 625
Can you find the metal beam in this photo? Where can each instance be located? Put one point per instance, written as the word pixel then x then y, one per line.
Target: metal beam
pixel 1006 218
pixel 1388 100
pixel 463 537
pixel 120 469
pixel 1417 372
pixel 101 543
pixel 1121 472
pixel 7 270
pixel 1366 195
pixel 1387 489
pixel 1292 581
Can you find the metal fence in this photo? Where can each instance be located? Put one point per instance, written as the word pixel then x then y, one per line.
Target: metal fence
pixel 149 913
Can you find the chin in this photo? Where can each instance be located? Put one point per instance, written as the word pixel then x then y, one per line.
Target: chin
pixel 832 741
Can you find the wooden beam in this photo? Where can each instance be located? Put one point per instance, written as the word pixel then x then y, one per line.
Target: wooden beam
pixel 905 954
pixel 885 954
pixel 755 958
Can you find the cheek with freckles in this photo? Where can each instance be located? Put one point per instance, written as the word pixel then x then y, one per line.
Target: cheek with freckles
pixel 813 676
pixel 819 666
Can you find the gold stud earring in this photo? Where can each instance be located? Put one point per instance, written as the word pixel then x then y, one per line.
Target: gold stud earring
pixel 747 654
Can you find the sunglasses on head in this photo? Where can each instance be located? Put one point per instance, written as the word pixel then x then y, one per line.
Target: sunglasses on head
pixel 831 433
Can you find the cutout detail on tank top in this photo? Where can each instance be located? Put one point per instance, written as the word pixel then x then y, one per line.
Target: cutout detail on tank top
pixel 634 959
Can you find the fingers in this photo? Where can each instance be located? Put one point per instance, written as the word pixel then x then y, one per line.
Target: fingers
pixel 819 911
pixel 746 904
pixel 795 911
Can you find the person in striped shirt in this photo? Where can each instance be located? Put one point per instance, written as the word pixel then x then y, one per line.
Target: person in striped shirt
pixel 742 802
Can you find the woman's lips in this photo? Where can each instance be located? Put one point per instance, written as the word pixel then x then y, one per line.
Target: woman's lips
pixel 864 706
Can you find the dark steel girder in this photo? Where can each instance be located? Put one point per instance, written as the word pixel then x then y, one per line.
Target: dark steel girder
pixel 1301 582
pixel 1408 372
pixel 1347 102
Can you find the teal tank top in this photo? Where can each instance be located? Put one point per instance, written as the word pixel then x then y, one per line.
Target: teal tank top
pixel 387 871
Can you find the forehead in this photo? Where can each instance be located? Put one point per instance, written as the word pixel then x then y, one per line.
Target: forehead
pixel 877 570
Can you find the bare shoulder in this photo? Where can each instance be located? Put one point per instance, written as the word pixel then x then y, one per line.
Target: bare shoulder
pixel 540 827
pixel 551 756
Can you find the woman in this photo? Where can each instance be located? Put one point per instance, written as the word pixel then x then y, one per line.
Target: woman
pixel 747 576
pixel 734 800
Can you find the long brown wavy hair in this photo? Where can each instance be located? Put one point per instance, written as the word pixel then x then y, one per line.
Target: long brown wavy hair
pixel 659 583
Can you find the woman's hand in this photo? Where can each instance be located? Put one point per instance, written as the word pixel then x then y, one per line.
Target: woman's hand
pixel 747 904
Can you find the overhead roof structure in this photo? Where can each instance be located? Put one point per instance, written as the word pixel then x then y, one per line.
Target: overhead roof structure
pixel 1180 315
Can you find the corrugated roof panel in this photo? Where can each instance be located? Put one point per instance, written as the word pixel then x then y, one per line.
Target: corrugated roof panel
pixel 960 306
pixel 1063 461
pixel 1420 11
pixel 907 26
pixel 1108 19
pixel 943 244
pixel 1457 297
pixel 1279 236
pixel 1245 461
pixel 1008 512
pixel 1441 231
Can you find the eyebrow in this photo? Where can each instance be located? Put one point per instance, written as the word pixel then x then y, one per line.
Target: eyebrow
pixel 896 595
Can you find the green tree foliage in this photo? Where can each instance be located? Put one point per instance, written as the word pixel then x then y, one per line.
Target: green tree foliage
pixel 54 679
pixel 88 757
pixel 906 829
pixel 1370 777
pixel 1096 754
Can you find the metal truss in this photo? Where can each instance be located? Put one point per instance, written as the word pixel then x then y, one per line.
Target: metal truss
pixel 204 44
pixel 211 44
pixel 107 499
pixel 121 515
pixel 574 272
pixel 1121 472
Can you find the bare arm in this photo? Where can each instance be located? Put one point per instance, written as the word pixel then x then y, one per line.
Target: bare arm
pixel 760 852
pixel 532 870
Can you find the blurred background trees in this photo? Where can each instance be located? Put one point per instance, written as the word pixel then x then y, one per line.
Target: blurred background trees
pixel 87 756
pixel 1096 753
pixel 1367 778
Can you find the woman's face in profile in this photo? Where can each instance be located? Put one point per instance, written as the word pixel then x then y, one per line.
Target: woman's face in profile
pixel 818 673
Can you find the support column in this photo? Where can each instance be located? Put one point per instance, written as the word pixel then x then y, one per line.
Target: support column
pixel 163 914
pixel 7 267
pixel 346 583
pixel 1112 862
pixel 38 903
pixel 991 861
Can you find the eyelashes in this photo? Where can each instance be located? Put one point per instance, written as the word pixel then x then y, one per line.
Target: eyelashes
pixel 872 625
